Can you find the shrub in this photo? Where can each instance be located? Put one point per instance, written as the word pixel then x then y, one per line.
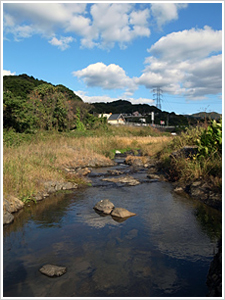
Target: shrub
pixel 210 141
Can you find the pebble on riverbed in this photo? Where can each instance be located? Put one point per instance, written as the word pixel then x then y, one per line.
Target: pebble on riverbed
pixel 52 270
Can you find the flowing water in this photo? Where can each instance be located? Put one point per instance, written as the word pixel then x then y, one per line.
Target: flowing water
pixel 163 251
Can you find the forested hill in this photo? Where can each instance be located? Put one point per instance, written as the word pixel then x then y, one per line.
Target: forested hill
pixel 123 106
pixel 23 85
pixel 126 107
pixel 30 104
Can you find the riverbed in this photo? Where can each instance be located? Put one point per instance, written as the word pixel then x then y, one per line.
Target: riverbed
pixel 163 251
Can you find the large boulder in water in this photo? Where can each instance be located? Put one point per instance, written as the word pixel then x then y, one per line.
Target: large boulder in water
pixel 120 212
pixel 52 270
pixel 104 206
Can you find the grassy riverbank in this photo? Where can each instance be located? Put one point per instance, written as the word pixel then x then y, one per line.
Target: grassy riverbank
pixel 205 165
pixel 32 159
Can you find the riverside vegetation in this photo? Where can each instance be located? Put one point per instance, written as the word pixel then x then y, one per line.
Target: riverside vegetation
pixel 48 130
pixel 32 159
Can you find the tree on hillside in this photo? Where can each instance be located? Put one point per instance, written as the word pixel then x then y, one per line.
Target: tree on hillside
pixel 31 104
pixel 17 113
pixel 50 107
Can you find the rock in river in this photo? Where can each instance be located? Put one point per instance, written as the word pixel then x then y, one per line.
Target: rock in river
pixel 52 270
pixel 104 206
pixel 129 180
pixel 120 212
pixel 10 205
pixel 7 217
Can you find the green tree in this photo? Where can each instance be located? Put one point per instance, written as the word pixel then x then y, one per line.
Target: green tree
pixel 79 125
pixel 17 113
pixel 50 107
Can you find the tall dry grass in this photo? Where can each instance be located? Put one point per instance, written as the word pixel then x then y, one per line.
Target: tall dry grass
pixel 28 166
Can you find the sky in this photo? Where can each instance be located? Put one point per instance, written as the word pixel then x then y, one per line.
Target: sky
pixel 105 51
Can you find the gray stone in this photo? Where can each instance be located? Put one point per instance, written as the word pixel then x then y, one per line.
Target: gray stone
pixel 104 206
pixel 153 176
pixel 134 161
pixel 178 190
pixel 120 212
pixel 115 172
pixel 12 204
pixel 54 186
pixel 187 152
pixel 40 196
pixel 69 185
pixel 52 270
pixel 125 179
pixel 7 217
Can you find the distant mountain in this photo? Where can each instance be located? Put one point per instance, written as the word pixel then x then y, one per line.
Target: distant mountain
pixel 126 107
pixel 203 115
pixel 123 106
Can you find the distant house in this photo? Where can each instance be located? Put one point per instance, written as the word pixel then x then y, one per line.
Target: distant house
pixel 116 119
pixel 104 115
pixel 136 114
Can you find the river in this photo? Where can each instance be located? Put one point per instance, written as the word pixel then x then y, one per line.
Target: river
pixel 163 251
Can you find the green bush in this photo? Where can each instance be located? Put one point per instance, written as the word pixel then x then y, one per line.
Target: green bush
pixel 210 141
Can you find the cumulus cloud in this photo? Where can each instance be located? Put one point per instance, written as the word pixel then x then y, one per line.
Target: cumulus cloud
pixel 188 44
pixel 100 24
pixel 107 77
pixel 93 99
pixel 166 12
pixel 188 62
pixel 62 43
pixel 8 72
pixel 106 98
pixel 119 23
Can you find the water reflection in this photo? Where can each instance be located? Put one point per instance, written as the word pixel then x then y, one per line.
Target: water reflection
pixel 208 221
pixel 149 255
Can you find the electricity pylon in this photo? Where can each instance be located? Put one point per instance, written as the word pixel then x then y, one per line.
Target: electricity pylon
pixel 157 94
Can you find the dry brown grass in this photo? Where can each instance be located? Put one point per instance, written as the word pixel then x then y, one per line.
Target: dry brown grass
pixel 28 166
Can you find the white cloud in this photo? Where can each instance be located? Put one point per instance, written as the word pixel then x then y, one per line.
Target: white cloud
pixel 8 72
pixel 44 18
pixel 188 44
pixel 103 25
pixel 93 99
pixel 166 12
pixel 204 77
pixel 186 62
pixel 141 101
pixel 62 43
pixel 107 77
pixel 106 98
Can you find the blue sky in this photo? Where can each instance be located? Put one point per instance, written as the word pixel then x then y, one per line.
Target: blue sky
pixel 112 50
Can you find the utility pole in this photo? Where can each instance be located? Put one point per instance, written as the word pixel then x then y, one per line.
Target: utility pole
pixel 157 94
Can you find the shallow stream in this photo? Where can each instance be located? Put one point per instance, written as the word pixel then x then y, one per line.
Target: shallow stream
pixel 163 251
